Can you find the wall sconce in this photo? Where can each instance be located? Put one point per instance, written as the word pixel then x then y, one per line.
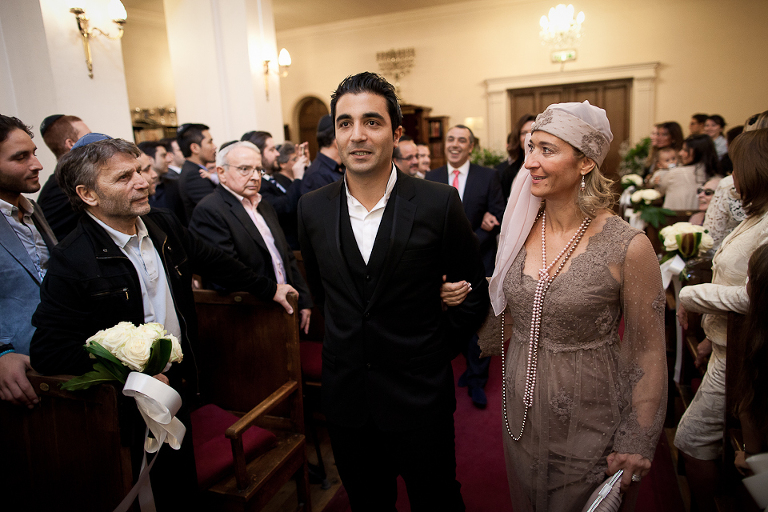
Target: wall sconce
pixel 117 14
pixel 283 63
pixel 561 31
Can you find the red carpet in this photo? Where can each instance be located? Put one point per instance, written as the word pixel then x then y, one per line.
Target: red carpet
pixel 480 459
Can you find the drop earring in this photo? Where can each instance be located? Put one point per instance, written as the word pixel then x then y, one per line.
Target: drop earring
pixel 583 184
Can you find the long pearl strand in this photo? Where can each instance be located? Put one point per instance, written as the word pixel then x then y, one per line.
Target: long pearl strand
pixel 538 304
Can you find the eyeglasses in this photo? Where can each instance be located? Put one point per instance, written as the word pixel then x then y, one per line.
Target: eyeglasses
pixel 246 170
pixel 707 191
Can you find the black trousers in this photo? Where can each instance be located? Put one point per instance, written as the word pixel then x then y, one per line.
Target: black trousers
pixel 476 373
pixel 370 460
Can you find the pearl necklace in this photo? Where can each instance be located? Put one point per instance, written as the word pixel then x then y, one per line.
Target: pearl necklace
pixel 538 304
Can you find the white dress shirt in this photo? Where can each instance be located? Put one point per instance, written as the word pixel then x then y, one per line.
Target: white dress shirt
pixel 365 224
pixel 258 220
pixel 155 292
pixel 463 173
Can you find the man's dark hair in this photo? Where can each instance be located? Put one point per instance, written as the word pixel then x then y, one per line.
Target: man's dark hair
pixel 374 84
pixel 465 127
pixel 700 118
pixel 257 138
pixel 396 152
pixel 56 135
pixel 149 147
pixel 166 142
pixel 9 123
pixel 326 137
pixel 81 166
pixel 188 134
pixel 717 118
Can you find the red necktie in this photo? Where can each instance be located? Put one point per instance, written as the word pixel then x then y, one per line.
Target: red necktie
pixel 456 179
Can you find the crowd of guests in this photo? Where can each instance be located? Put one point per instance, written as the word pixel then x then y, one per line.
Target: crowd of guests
pixel 397 255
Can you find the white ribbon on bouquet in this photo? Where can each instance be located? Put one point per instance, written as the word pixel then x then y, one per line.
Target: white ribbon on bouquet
pixel 158 404
pixel 670 268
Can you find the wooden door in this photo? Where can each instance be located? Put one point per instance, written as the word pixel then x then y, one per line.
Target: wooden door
pixel 310 112
pixel 612 95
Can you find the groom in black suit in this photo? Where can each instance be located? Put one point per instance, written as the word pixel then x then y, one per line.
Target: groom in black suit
pixel 480 191
pixel 376 245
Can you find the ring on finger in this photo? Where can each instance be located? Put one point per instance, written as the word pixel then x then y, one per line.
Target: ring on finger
pixel 636 478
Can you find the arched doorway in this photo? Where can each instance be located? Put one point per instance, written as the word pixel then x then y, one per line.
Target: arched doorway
pixel 310 110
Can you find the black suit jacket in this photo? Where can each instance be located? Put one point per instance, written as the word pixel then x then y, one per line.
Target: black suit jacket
pixel 482 193
pixel 284 199
pixel 192 187
pixel 168 196
pixel 388 359
pixel 221 220
pixel 57 209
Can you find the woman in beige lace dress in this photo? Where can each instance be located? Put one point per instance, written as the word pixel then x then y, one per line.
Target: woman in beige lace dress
pixel 580 401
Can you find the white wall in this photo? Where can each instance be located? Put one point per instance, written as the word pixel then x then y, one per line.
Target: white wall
pixel 711 53
pixel 217 50
pixel 44 71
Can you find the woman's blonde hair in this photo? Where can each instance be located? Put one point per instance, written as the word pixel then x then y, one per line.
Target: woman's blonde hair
pixel 597 194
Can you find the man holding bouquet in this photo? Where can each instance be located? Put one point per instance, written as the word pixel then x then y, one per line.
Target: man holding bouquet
pixel 124 262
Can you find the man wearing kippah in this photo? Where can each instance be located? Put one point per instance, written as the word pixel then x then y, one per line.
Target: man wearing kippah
pixel 60 133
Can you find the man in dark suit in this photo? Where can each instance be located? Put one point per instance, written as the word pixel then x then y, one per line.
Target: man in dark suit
pixel 236 219
pixel 376 246
pixel 59 133
pixel 480 192
pixel 197 146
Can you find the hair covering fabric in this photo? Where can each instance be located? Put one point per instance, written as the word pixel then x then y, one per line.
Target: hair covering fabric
pixel 582 125
pixel 89 138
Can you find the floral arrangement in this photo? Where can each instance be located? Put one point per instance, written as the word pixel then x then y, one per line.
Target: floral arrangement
pixel 685 240
pixel 631 180
pixel 124 348
pixel 486 157
pixel 642 201
pixel 633 158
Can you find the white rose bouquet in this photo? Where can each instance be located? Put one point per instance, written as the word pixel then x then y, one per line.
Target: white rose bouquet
pixel 642 201
pixel 686 240
pixel 124 348
pixel 631 180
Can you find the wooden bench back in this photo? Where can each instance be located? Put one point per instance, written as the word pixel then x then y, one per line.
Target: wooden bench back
pixel 248 349
pixel 68 453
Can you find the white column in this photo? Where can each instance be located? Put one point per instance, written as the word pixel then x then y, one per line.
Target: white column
pixel 218 48
pixel 43 71
pixel 498 119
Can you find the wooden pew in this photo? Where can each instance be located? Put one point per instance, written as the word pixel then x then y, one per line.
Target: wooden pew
pixel 734 496
pixel 249 364
pixel 68 453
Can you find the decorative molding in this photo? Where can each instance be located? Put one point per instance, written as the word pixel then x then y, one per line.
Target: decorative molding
pixel 642 100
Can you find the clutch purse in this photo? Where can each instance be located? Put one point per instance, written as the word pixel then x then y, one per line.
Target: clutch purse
pixel 607 497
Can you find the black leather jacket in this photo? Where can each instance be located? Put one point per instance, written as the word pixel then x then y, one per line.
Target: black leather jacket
pixel 91 285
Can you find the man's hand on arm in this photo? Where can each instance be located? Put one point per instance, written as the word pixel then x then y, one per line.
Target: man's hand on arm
pixel 280 296
pixel 14 385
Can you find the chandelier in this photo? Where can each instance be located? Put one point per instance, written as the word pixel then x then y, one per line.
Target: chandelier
pixel 561 32
pixel 396 63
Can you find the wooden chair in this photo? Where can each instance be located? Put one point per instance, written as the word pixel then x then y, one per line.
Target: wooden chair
pixel 734 495
pixel 249 364
pixel 69 452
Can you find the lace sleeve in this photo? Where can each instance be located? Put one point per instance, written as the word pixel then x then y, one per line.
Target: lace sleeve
pixel 724 212
pixel 642 357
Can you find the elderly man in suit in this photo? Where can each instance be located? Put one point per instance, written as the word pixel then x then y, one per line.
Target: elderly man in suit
pixel 480 191
pixel 376 246
pixel 25 242
pixel 235 219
